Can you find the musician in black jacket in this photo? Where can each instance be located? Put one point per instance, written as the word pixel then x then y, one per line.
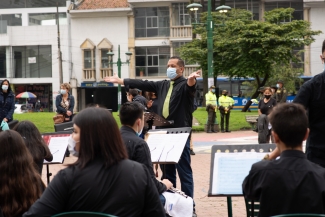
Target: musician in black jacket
pixel 132 119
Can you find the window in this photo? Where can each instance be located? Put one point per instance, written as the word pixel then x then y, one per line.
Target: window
pixel 89 59
pixel 48 19
pixel 151 61
pixel 9 20
pixel 176 46
pixel 297 14
pixel 32 61
pixel 3 62
pixel 151 22
pixel 180 15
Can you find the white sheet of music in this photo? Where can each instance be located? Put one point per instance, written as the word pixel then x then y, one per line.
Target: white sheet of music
pixel 230 170
pixel 58 146
pixel 166 147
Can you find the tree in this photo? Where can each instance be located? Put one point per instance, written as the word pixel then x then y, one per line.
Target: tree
pixel 244 47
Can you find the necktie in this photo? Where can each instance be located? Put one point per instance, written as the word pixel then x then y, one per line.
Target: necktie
pixel 167 99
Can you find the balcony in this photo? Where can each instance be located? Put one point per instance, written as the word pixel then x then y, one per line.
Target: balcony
pixel 181 32
pixel 89 75
pixel 105 72
pixel 190 69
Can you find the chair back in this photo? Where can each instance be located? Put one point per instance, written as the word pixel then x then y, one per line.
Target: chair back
pixel 252 208
pixel 83 214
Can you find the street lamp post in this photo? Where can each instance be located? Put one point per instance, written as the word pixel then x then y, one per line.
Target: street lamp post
pixel 119 64
pixel 209 26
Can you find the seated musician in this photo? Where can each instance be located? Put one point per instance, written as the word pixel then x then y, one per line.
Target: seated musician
pixel 132 119
pixel 291 184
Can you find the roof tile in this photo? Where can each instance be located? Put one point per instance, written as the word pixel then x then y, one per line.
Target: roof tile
pixel 101 4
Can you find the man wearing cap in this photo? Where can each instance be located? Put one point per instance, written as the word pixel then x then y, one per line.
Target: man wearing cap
pixel 225 104
pixel 211 102
pixel 281 93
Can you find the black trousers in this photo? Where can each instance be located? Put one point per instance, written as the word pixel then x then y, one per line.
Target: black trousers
pixel 211 116
pixel 223 116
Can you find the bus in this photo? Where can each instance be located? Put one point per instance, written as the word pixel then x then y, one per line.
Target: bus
pixel 238 90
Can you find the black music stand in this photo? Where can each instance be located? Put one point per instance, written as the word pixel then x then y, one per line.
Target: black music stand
pixel 260 148
pixel 48 174
pixel 152 119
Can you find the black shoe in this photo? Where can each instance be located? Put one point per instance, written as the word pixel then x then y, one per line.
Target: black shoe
pixel 228 131
pixel 222 131
pixel 192 152
pixel 209 131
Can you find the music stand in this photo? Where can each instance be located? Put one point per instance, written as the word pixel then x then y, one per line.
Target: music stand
pixel 47 137
pixel 65 126
pixel 152 119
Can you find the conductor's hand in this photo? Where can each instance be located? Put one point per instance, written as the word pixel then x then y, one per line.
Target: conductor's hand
pixel 114 79
pixel 167 183
pixel 191 80
pixel 149 103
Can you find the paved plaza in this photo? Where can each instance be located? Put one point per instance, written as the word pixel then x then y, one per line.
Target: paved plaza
pixel 205 206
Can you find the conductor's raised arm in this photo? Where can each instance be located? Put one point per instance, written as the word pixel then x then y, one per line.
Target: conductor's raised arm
pixel 191 80
pixel 114 79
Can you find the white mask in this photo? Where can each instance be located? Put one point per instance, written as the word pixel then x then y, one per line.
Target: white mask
pixel 72 146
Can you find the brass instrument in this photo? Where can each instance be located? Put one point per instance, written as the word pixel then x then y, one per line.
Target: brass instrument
pixel 226 109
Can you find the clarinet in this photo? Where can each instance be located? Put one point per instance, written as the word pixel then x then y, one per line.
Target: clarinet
pixel 177 191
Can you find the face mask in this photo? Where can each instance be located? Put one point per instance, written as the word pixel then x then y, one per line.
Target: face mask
pixel 72 146
pixel 224 94
pixel 278 85
pixel 324 66
pixel 4 87
pixel 213 90
pixel 267 96
pixel 139 133
pixel 63 91
pixel 171 73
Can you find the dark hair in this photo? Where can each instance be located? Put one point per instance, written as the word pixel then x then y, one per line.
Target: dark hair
pixel 289 121
pixel 180 61
pixel 20 183
pixel 95 105
pixel 33 140
pixel 130 112
pixel 9 88
pixel 99 137
pixel 133 92
pixel 323 47
pixel 267 88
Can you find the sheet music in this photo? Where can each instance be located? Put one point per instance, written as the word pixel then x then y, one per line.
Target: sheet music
pixel 230 170
pixel 58 146
pixel 167 147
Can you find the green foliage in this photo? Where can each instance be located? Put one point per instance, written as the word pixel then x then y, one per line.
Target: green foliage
pixel 244 47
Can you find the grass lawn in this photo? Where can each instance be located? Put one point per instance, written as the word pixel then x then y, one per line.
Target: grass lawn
pixel 44 120
pixel 237 119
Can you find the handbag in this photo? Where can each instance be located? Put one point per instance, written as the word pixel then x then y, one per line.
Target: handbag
pixel 59 118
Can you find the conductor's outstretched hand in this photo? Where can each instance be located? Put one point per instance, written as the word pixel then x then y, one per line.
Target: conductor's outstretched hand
pixel 114 79
pixel 195 74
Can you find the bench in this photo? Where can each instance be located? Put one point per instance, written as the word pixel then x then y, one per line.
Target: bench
pixel 252 120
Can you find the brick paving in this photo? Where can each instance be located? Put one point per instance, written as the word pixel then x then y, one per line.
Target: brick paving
pixel 205 206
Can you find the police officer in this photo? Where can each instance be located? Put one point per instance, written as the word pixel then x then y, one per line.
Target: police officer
pixel 211 102
pixel 225 104
pixel 281 93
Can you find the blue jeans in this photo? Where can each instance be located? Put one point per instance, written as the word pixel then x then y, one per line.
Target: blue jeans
pixel 184 170
pixel 162 199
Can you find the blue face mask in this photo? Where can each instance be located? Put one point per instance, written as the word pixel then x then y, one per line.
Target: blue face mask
pixel 213 90
pixel 171 73
pixel 277 85
pixel 63 91
pixel 139 133
pixel 4 87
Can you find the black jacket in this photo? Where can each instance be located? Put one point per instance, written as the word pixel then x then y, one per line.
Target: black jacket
pixel 291 184
pixel 7 107
pixel 125 189
pixel 181 100
pixel 138 151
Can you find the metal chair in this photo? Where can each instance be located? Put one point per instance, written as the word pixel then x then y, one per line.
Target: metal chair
pixel 299 215
pixel 252 208
pixel 83 214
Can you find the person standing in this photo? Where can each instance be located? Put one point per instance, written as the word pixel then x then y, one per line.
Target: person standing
pixel 175 100
pixel 281 93
pixel 265 107
pixel 211 107
pixel 38 105
pixel 7 102
pixel 226 103
pixel 312 96
pixel 65 102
